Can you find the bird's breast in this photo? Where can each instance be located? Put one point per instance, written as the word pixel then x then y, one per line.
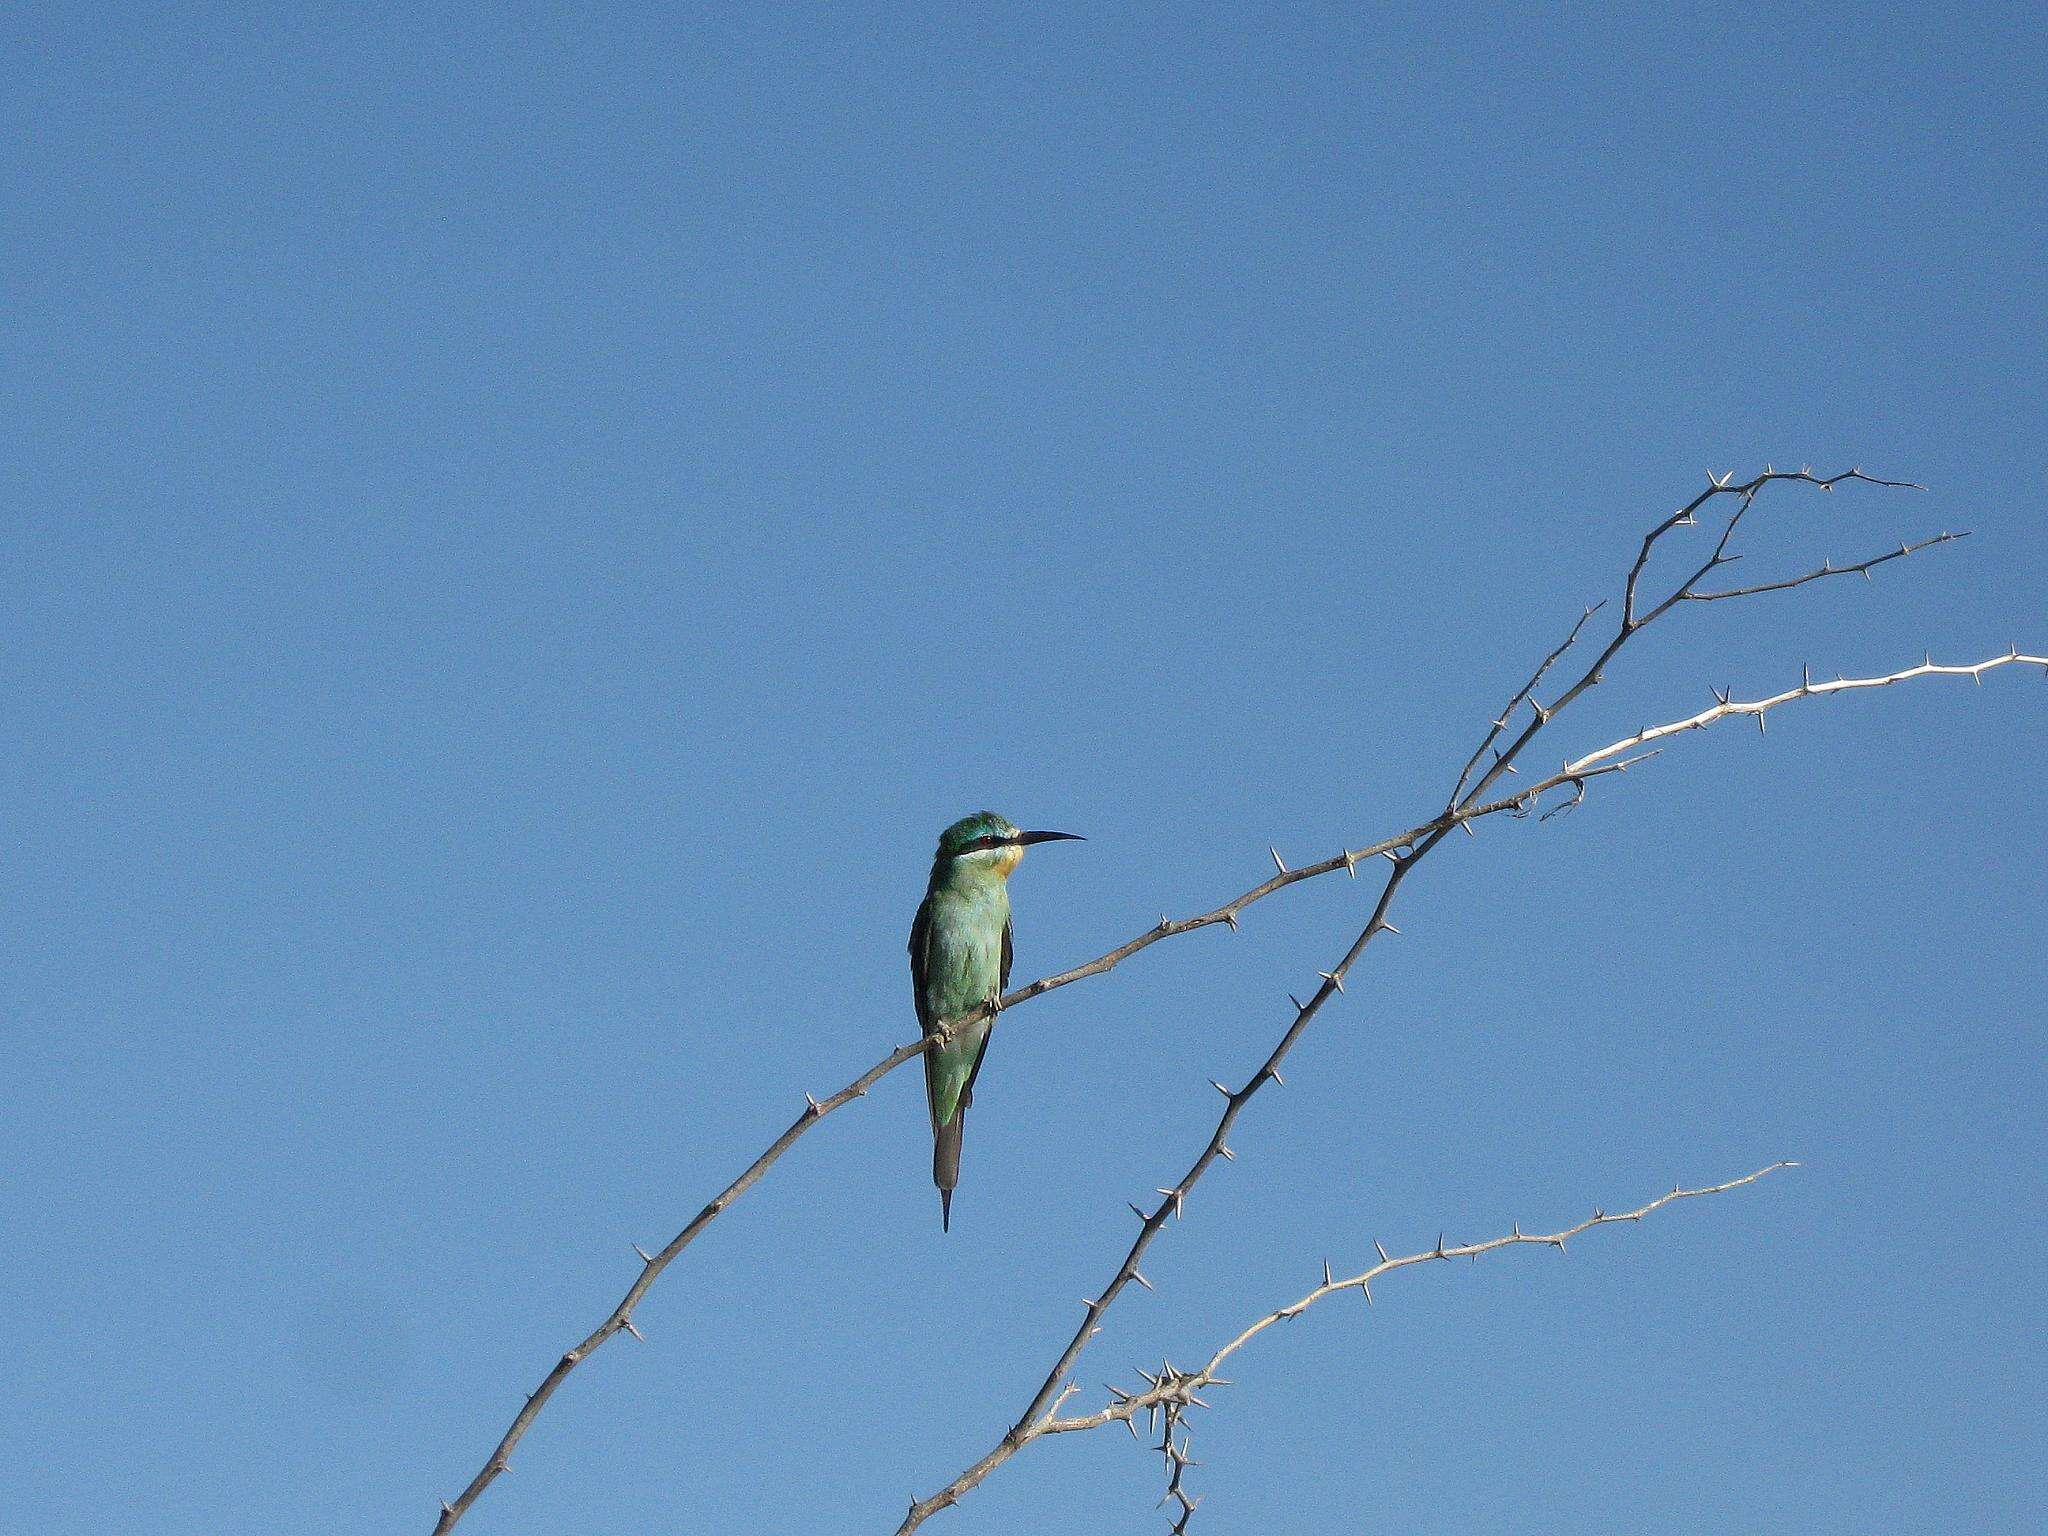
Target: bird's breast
pixel 964 953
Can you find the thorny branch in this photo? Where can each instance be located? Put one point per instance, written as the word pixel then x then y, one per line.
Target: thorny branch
pixel 1168 1393
pixel 1402 849
pixel 1756 709
pixel 1464 802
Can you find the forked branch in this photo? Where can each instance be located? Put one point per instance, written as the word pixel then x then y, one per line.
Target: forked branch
pixel 1468 796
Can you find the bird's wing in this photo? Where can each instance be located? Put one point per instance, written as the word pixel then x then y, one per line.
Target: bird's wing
pixel 920 936
pixel 1002 985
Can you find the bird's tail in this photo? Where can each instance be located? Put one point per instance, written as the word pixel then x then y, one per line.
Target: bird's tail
pixel 946 1162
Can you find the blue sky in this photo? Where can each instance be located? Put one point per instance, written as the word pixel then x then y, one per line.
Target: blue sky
pixel 521 524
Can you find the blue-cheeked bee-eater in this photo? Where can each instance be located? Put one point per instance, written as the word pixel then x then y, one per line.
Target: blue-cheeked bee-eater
pixel 960 960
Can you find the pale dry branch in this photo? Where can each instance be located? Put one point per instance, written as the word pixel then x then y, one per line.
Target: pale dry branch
pixel 1168 1392
pixel 1724 706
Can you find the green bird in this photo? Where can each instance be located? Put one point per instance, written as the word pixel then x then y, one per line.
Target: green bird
pixel 960 959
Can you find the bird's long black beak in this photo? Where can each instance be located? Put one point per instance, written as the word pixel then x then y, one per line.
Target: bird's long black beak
pixel 1025 839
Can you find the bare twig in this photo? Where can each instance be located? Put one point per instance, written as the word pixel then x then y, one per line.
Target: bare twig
pixel 1724 706
pixel 1172 1391
pixel 1827 568
pixel 651 1266
pixel 1521 697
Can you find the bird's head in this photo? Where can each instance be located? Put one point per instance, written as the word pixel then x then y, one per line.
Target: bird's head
pixel 986 843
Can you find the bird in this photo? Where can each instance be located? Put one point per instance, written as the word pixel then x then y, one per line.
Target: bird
pixel 959 960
